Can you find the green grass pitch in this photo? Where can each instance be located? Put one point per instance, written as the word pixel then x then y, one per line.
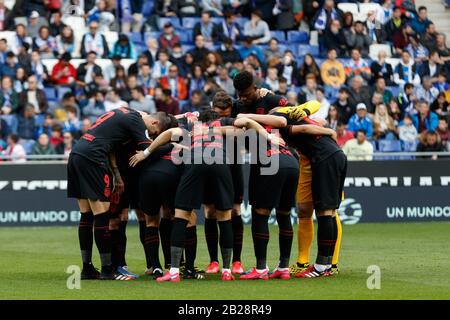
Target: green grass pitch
pixel 413 258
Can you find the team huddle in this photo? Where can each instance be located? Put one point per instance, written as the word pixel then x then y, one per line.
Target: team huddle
pixel 184 162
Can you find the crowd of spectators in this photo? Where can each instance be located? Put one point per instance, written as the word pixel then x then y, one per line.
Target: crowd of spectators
pixel 173 55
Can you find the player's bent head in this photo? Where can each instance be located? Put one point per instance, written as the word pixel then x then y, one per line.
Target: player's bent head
pixel 208 116
pixel 159 122
pixel 245 86
pixel 222 104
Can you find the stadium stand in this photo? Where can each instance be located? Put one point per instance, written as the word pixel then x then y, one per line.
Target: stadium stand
pixel 26 50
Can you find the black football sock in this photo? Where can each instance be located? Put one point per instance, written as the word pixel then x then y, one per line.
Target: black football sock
pixel 335 235
pixel 165 231
pixel 326 240
pixel 178 238
pixel 152 246
pixel 212 238
pixel 260 234
pixel 238 237
pixel 86 236
pixel 102 238
pixel 190 247
pixel 114 248
pixel 226 242
pixel 142 227
pixel 285 239
pixel 122 245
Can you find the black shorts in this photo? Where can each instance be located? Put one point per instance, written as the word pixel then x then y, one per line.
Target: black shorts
pixel 132 190
pixel 87 179
pixel 328 177
pixel 273 191
pixel 118 202
pixel 237 176
pixel 156 189
pixel 205 183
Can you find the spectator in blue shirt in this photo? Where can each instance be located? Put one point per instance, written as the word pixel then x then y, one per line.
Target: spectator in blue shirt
pixel 248 48
pixel 10 67
pixel 420 21
pixel 360 121
pixel 425 119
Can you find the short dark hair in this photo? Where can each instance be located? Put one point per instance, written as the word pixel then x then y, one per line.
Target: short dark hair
pixel 167 92
pixel 282 80
pixel 196 92
pixel 14 137
pixel 166 121
pixel 408 86
pixel 362 131
pixel 208 116
pixel 421 8
pixel 243 80
pixel 222 100
pixel 140 90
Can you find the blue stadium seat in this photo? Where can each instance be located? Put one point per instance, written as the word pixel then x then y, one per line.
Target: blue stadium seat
pixel 185 36
pixel 50 93
pixel 306 48
pixel 395 90
pixel 189 22
pixel 279 35
pixel 151 34
pixel 135 37
pixel 147 8
pixel 374 145
pixel 293 48
pixel 297 37
pixel 217 20
pixel 409 146
pixel 174 20
pixel 187 47
pixel 241 21
pixel 390 145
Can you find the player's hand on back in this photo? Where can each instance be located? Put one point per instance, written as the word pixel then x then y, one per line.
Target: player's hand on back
pixel 138 157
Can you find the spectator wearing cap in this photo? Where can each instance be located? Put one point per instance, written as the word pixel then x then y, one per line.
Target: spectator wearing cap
pixel 87 70
pixel 65 42
pixel 142 101
pixel 124 48
pixel 34 24
pixel 33 96
pixel 334 38
pixel 257 29
pixel 229 29
pixel 357 66
pixel 228 53
pixel 358 149
pixel 168 38
pixel 162 65
pixel 64 73
pixel 416 50
pixel 175 83
pixel 165 102
pixel 10 67
pixel 45 43
pixel 101 14
pixel 426 91
pixel 208 29
pixel 248 48
pixel 425 119
pixel 9 99
pixel 332 72
pixel 361 121
pixel 420 21
pixel 199 52
pixel 94 41
pixel 406 71
pixel 380 68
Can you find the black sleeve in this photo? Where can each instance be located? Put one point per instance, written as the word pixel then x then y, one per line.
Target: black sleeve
pixel 160 151
pixel 137 129
pixel 275 100
pixel 227 122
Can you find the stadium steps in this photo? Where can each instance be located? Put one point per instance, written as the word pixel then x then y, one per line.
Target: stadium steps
pixel 438 14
